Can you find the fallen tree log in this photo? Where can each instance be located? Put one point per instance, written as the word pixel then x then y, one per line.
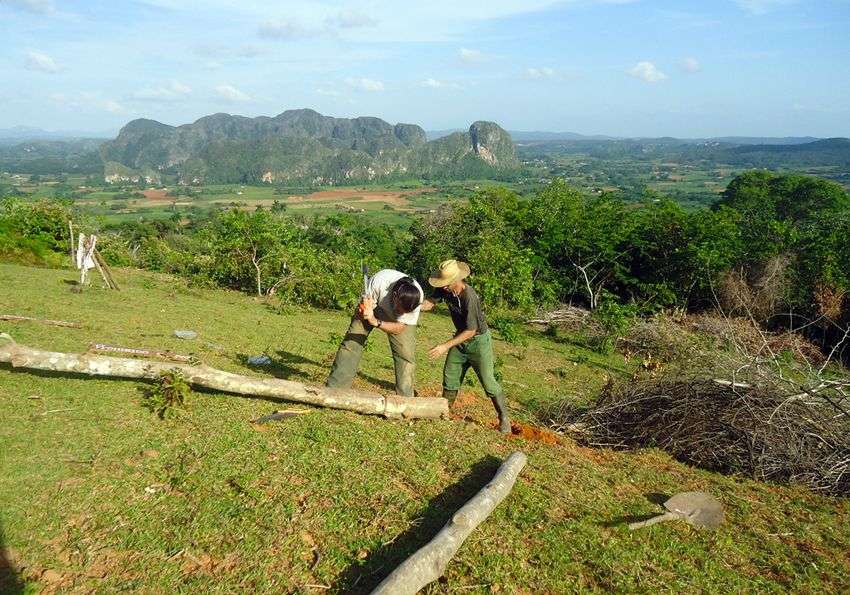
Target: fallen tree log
pixel 12 318
pixel 429 562
pixel 368 403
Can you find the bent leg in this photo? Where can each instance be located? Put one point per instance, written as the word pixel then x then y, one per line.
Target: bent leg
pixel 483 363
pixel 403 347
pixel 454 369
pixel 348 355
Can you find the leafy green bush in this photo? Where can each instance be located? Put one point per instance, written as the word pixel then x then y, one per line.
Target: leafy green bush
pixel 509 327
pixel 614 320
pixel 170 392
pixel 34 232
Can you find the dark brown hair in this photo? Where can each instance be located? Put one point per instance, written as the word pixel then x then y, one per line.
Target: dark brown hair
pixel 406 295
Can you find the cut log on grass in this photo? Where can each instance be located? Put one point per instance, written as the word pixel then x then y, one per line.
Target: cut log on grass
pixel 161 354
pixel 430 561
pixel 367 403
pixel 11 318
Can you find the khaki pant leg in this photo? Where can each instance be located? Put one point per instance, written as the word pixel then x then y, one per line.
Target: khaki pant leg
pixel 403 347
pixel 348 355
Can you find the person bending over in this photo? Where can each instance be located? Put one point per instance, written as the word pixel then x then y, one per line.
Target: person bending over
pixel 391 304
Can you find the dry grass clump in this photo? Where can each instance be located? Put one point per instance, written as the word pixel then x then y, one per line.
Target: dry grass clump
pixel 761 430
pixel 746 337
pixel 758 291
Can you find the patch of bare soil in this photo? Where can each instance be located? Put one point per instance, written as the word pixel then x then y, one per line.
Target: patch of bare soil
pixel 157 195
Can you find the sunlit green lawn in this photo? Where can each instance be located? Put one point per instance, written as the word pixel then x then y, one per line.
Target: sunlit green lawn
pixel 96 493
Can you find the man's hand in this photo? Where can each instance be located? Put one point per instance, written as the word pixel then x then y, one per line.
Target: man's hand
pixel 367 308
pixel 438 351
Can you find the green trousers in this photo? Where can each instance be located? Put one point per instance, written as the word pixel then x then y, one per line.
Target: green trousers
pixel 477 353
pixel 402 345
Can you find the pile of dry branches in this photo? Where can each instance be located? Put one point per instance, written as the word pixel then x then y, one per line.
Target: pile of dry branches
pixel 765 431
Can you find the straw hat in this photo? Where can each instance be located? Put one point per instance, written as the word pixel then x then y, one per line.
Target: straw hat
pixel 449 272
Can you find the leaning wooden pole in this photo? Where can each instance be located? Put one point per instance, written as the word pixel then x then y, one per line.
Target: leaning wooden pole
pixel 393 406
pixel 429 562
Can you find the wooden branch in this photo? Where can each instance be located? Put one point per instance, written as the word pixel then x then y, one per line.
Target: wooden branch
pixel 105 270
pixel 430 561
pixel 164 354
pixel 367 403
pixel 12 318
pixel 661 518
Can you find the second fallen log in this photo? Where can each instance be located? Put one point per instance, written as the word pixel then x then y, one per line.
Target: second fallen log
pixel 429 562
pixel 367 403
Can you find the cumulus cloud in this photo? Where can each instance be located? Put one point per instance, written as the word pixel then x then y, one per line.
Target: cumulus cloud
pixel 471 56
pixel 760 7
pixel 646 71
pixel 540 73
pixel 114 107
pixel 34 6
pixel 41 61
pixel 365 84
pixel 284 30
pixel 690 65
pixel 87 100
pixel 231 93
pixel 173 91
pixel 351 19
pixel 432 83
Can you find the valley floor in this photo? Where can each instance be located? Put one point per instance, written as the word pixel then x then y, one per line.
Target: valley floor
pixel 98 494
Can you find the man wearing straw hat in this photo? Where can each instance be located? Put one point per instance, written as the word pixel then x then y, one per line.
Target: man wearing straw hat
pixel 472 345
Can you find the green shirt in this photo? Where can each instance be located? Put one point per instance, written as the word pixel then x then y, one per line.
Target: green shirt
pixel 466 310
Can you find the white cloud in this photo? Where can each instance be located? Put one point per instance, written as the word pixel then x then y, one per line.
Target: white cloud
pixel 41 61
pixel 760 7
pixel 365 84
pixel 231 93
pixel 173 91
pixel 540 73
pixel 284 30
pixel 114 107
pixel 471 56
pixel 35 6
pixel 690 65
pixel 432 83
pixel 351 19
pixel 86 101
pixel 328 92
pixel 646 71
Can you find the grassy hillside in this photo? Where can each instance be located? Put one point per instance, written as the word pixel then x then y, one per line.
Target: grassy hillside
pixel 97 493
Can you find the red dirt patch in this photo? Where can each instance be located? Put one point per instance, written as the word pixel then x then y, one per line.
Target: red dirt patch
pixel 157 195
pixel 393 197
pixel 534 434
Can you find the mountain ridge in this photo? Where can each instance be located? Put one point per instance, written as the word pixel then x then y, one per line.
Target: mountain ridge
pixel 299 144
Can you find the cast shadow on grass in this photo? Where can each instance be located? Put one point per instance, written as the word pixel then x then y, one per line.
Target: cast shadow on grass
pixel 283 365
pixel 11 581
pixel 384 384
pixel 363 577
pixel 653 497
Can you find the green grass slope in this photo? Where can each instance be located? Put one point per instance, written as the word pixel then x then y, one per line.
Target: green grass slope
pixel 97 494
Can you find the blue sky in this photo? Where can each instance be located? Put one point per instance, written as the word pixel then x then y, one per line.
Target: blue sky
pixel 619 67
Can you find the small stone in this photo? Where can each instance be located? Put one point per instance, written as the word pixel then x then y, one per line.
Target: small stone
pixel 259 360
pixel 184 334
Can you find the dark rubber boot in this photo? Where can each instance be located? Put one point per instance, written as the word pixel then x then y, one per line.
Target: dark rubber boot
pixel 502 410
pixel 450 396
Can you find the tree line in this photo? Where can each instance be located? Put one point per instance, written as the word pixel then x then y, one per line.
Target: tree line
pixel 774 247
